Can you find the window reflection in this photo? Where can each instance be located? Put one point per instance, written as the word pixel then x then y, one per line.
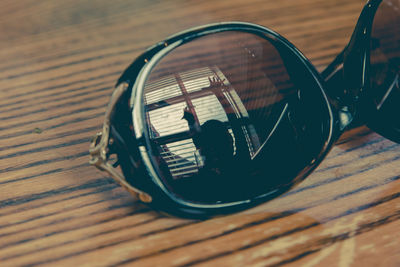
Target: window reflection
pixel 208 95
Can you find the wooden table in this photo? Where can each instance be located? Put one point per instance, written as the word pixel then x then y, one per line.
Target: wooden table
pixel 59 62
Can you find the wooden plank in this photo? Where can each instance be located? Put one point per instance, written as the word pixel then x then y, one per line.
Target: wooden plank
pixel 59 63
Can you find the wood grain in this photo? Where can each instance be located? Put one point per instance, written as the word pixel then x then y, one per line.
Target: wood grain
pixel 59 62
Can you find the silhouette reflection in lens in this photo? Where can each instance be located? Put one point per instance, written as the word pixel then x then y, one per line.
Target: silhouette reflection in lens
pixel 216 158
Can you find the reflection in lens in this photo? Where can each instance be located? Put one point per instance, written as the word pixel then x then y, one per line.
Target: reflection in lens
pixel 210 106
pixel 385 53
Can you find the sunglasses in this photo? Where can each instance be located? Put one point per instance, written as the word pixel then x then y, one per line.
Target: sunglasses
pixel 222 117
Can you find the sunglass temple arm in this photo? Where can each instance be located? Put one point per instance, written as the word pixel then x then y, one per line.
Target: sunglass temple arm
pixel 99 148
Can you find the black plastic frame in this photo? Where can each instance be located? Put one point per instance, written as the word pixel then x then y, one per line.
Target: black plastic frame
pixel 129 130
pixel 348 79
pixel 140 147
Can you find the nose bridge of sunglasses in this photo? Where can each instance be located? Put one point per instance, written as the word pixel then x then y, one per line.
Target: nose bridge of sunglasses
pixel 341 99
pixel 347 77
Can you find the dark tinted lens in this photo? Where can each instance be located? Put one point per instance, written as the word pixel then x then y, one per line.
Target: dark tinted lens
pixel 212 103
pixel 385 53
